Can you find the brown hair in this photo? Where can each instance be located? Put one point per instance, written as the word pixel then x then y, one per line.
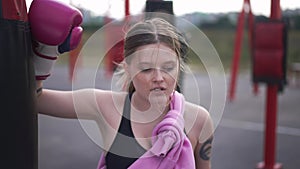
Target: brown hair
pixel 154 31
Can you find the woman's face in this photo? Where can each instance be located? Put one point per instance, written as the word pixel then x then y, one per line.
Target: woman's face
pixel 154 71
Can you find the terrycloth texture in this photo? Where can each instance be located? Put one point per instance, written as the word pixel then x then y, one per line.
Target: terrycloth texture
pixel 171 148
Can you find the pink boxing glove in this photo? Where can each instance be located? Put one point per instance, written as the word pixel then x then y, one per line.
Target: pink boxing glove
pixel 55 29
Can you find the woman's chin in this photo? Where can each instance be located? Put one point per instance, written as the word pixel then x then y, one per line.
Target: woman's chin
pixel 158 100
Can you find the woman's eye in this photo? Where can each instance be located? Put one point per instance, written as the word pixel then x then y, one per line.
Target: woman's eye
pixel 146 70
pixel 168 69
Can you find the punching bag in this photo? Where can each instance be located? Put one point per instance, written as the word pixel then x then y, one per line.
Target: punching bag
pixel 18 110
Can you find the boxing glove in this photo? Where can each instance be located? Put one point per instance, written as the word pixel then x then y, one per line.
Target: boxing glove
pixel 55 29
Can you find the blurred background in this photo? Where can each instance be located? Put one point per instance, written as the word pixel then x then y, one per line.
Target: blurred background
pixel 239 137
pixel 217 19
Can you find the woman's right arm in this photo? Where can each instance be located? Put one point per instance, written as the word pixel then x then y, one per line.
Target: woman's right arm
pixel 56 103
pixel 69 104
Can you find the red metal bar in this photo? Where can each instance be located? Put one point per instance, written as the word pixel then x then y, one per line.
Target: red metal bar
pixel 14 10
pixel 250 23
pixel 271 114
pixel 270 130
pixel 127 13
pixel 275 9
pixel 236 55
pixel 250 35
pixel 271 111
pixel 271 119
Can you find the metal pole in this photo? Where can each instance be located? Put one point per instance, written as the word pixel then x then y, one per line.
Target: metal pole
pixel 237 53
pixel 250 35
pixel 271 120
pixel 127 13
pixel 271 110
pixel 275 10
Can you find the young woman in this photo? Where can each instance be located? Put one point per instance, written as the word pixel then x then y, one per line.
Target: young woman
pixel 129 120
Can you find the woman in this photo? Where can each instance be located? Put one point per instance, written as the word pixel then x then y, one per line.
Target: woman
pixel 153 53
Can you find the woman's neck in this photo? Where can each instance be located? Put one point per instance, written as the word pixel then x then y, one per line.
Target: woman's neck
pixel 145 111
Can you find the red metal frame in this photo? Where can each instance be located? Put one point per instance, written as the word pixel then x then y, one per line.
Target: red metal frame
pixel 238 45
pixel 271 111
pixel 272 89
pixel 236 54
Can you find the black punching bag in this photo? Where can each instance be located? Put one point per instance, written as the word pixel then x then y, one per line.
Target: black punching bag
pixel 154 7
pixel 19 139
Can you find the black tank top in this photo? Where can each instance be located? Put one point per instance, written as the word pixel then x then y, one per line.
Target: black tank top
pixel 125 149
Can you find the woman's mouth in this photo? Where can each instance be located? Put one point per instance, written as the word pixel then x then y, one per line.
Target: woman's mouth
pixel 158 89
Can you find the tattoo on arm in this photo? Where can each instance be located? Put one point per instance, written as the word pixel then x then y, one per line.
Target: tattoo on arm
pixel 205 151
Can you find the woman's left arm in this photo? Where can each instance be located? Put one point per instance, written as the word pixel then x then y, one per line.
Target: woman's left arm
pixel 201 135
pixel 202 154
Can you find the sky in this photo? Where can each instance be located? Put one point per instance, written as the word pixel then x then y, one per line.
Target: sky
pixel 115 8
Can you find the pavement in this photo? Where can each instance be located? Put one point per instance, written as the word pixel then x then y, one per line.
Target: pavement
pixel 238 138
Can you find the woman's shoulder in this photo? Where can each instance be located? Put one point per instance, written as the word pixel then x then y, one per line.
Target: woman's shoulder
pixel 108 99
pixel 107 104
pixel 102 99
pixel 198 121
pixel 100 91
pixel 195 112
pixel 195 108
pixel 99 94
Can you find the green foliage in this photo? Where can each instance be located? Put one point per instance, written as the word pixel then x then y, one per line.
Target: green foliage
pixel 297 22
pixel 293 50
pixel 222 22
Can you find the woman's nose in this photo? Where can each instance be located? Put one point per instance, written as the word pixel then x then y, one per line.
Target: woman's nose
pixel 157 75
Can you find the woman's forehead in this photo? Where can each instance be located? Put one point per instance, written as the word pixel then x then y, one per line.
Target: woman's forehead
pixel 154 53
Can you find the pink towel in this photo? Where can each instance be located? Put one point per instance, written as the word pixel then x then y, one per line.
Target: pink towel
pixel 171 148
pixel 101 163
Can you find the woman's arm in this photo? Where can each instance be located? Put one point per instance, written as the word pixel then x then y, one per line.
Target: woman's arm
pixel 204 144
pixel 56 103
pixel 200 133
pixel 70 104
pixel 203 154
